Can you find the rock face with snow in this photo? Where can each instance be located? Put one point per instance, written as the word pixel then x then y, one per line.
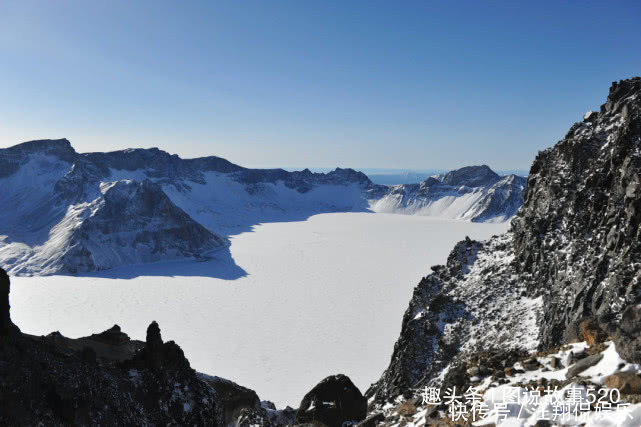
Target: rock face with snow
pixel 472 304
pixel 577 237
pixel 473 193
pixel 65 212
pixel 572 253
pixel 131 222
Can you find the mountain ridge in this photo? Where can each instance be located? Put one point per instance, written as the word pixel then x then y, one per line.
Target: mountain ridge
pixel 57 196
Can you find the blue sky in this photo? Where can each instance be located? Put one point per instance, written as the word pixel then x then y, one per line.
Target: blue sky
pixel 408 84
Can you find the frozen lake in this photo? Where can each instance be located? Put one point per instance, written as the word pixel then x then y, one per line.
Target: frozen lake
pixel 300 300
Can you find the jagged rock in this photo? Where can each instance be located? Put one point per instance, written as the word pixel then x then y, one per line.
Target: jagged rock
pixel 234 398
pixel 626 336
pixel 158 356
pixel 583 364
pixel 7 327
pixel 333 401
pixel 625 382
pixel 154 347
pixel 113 335
pixel 577 234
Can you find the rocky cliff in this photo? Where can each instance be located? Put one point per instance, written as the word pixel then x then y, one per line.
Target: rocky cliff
pixel 572 253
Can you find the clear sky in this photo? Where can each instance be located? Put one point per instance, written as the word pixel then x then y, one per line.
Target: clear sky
pixel 386 84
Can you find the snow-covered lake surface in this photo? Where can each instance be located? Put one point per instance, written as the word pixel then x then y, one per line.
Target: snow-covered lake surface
pixel 299 300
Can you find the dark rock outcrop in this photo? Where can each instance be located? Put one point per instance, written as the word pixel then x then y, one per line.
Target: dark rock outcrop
pixel 232 397
pixel 626 335
pixel 108 379
pixel 7 327
pixel 332 402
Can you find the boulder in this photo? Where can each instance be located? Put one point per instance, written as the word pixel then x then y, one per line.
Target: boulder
pixel 583 364
pixel 334 401
pixel 627 337
pixel 531 364
pixel 234 398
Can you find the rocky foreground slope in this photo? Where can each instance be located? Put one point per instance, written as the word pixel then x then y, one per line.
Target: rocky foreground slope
pixel 66 212
pixel 572 255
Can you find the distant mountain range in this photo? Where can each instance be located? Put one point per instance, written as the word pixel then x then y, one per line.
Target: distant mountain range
pixel 474 193
pixel 67 212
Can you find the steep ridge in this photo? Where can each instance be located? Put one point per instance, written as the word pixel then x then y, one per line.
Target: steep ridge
pixel 474 193
pixel 572 254
pixel 65 212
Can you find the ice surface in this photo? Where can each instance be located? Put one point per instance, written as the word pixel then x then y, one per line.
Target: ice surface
pixel 308 299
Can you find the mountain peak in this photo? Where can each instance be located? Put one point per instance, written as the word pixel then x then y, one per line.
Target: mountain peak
pixel 471 176
pixel 61 147
pixel 621 93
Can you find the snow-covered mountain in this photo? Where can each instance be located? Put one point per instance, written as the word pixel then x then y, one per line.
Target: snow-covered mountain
pixel 66 212
pixel 473 193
